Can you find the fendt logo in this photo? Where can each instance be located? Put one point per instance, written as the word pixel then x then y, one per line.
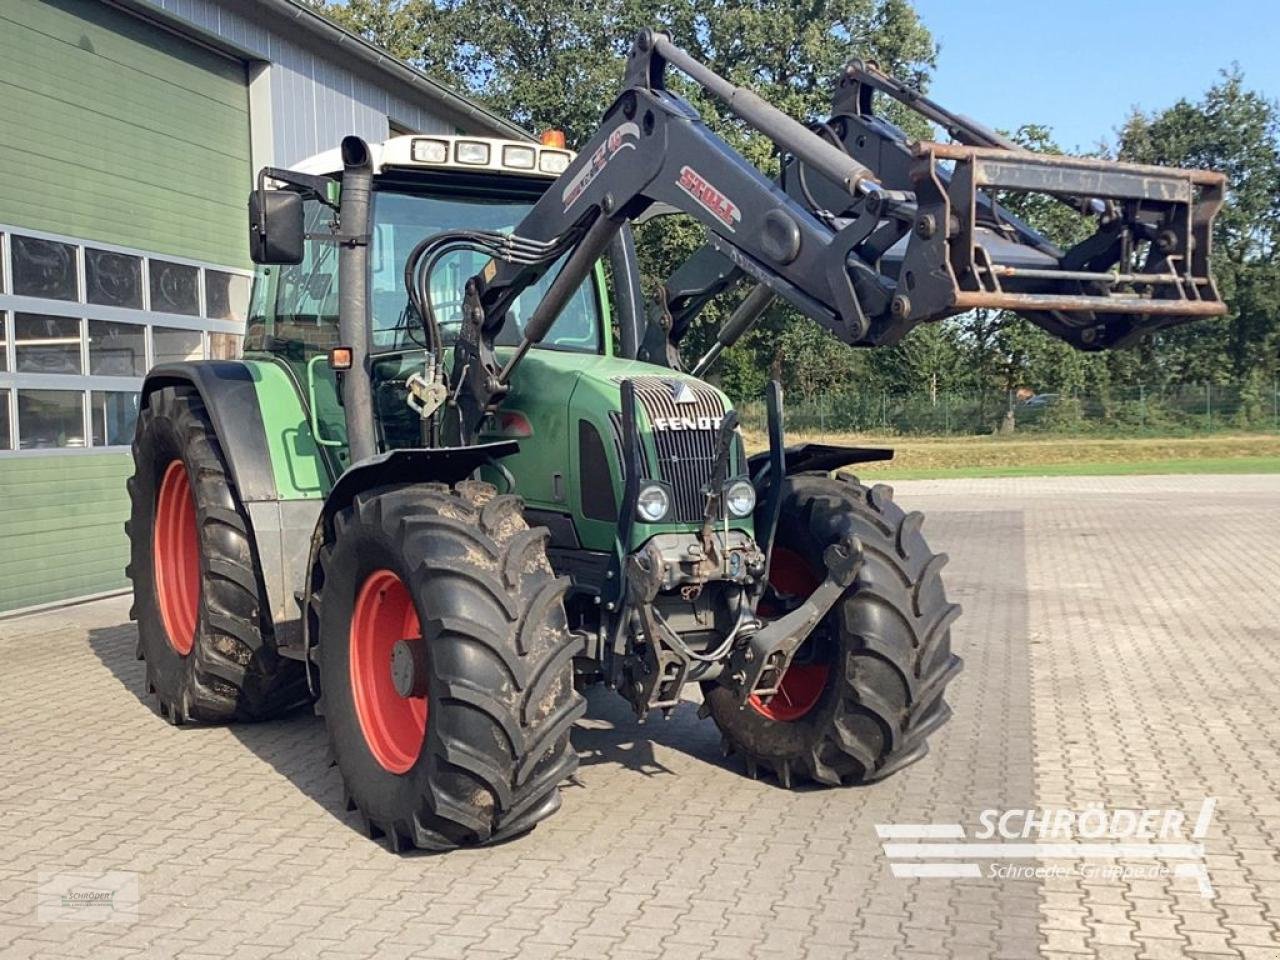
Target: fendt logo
pixel 721 207
pixel 687 423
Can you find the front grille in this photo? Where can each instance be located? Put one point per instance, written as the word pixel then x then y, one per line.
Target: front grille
pixel 685 457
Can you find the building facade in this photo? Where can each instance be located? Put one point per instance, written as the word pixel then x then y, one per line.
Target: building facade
pixel 132 131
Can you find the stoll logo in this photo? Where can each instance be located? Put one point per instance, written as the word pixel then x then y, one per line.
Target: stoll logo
pixel 1082 843
pixel 712 200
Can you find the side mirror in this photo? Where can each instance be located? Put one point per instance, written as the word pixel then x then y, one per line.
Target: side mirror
pixel 275 226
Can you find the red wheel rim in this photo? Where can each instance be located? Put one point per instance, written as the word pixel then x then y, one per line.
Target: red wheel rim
pixel 393 726
pixel 176 553
pixel 803 683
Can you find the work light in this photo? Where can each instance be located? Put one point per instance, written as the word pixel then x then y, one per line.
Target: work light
pixel 430 151
pixel 472 152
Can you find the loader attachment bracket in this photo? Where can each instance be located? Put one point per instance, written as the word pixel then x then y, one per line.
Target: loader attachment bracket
pixel 756 667
pixel 1145 266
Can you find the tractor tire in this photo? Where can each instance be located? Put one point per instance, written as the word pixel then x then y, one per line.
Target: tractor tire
pixel 197 595
pixel 864 692
pixel 473 745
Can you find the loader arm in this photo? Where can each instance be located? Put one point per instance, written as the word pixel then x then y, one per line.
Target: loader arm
pixel 903 233
pixel 653 147
pixel 1145 266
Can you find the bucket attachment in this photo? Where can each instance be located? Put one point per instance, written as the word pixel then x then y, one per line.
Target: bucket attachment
pixel 1145 266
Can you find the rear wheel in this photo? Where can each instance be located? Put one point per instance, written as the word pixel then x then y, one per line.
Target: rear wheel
pixel 197 596
pixel 446 665
pixel 864 691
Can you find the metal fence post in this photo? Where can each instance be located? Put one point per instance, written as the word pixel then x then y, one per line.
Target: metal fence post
pixel 1142 407
pixel 1208 404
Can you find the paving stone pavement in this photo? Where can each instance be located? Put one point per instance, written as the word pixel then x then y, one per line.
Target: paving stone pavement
pixel 1121 638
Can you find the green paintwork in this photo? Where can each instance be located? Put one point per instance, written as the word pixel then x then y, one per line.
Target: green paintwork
pixel 62 527
pixel 295 458
pixel 118 131
pixel 554 391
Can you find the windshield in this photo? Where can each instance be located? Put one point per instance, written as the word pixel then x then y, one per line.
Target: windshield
pixel 401 220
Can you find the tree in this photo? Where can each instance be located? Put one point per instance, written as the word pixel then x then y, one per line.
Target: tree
pixel 545 63
pixel 1237 131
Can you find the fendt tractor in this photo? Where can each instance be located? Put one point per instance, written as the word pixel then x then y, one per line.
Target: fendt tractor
pixel 461 474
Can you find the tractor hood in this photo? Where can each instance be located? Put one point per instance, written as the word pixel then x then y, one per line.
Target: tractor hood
pixel 574 464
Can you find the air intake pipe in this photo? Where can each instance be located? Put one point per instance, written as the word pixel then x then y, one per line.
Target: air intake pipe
pixel 353 296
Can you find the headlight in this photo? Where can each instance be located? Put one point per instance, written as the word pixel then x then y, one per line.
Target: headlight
pixel 740 498
pixel 653 503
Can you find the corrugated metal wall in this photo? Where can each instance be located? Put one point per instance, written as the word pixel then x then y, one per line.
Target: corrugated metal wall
pixel 315 101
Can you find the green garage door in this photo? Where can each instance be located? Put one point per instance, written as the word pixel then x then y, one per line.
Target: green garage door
pixel 119 131
pixel 113 131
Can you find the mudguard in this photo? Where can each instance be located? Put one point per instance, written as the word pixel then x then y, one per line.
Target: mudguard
pixel 413 465
pixel 227 389
pixel 817 458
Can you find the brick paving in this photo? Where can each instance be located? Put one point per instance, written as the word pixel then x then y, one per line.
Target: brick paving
pixel 1121 639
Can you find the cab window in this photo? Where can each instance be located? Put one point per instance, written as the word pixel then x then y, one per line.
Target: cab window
pixel 401 220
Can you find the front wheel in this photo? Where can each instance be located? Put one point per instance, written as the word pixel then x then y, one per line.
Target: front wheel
pixel 864 691
pixel 446 665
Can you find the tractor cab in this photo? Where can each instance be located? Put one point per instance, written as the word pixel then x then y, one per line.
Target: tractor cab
pixel 421 186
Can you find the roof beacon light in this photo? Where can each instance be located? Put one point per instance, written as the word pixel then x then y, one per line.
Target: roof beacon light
pixel 552 138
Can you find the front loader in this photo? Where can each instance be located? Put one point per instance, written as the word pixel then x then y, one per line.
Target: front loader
pixel 437 499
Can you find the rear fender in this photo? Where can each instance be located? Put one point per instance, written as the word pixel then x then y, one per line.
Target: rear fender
pixel 279 479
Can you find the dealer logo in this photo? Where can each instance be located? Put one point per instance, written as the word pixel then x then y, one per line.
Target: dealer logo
pixel 1087 842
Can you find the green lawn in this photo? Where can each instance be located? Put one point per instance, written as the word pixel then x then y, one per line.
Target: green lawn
pixel 1028 455
pixel 1207 465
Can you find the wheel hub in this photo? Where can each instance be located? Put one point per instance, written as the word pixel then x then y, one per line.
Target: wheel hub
pixel 409 667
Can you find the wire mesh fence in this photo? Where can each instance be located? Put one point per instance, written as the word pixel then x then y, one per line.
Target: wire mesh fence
pixel 1179 410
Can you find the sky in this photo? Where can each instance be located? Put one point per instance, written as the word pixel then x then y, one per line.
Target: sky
pixel 1081 66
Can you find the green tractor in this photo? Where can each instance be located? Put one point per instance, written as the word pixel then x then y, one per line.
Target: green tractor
pixel 460 473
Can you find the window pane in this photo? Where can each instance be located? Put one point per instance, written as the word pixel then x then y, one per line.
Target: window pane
pixel 117 349
pixel 224 346
pixel 4 343
pixel 226 295
pixel 175 346
pixel 2 286
pixel 174 288
pixel 6 441
pixel 50 418
pixel 46 344
pixel 114 415
pixel 44 268
pixel 113 279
